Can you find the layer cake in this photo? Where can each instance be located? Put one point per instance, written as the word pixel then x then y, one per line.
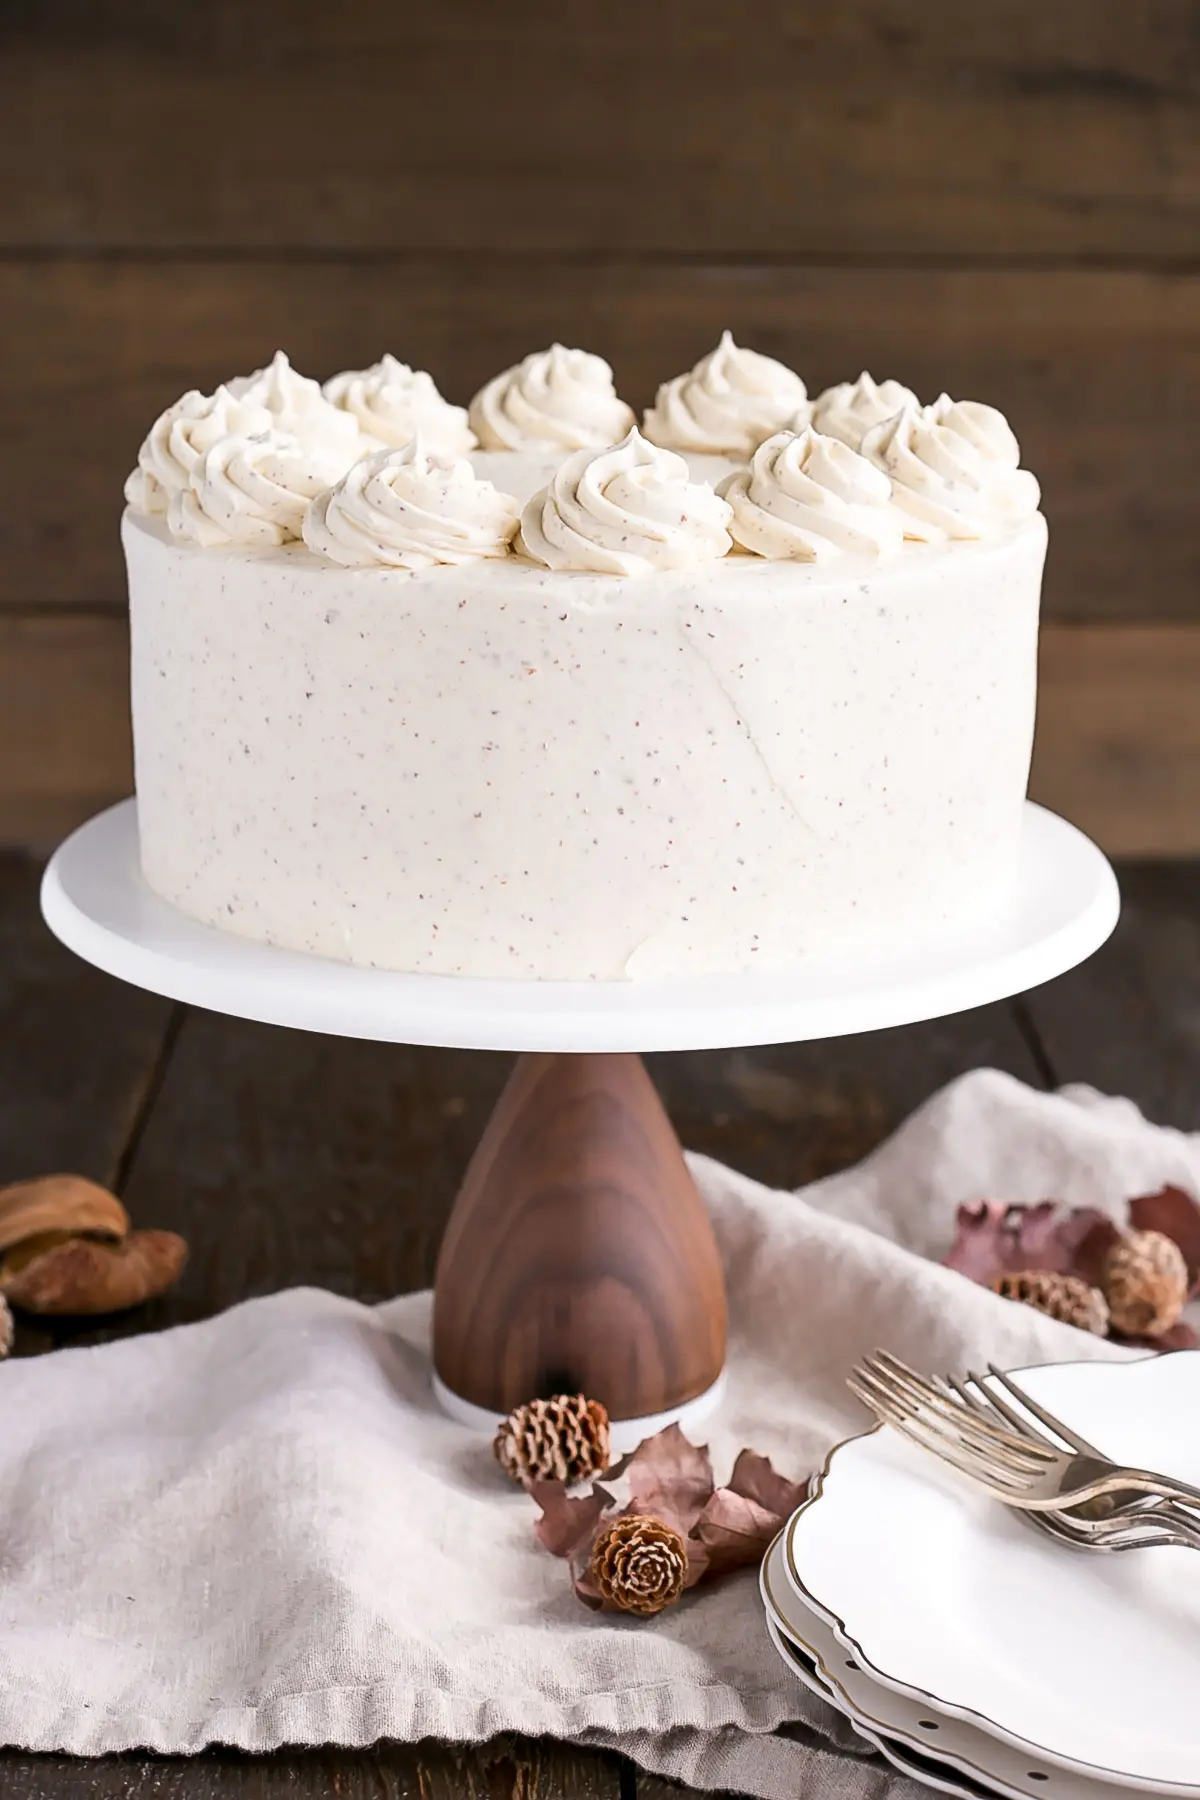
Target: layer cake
pixel 519 690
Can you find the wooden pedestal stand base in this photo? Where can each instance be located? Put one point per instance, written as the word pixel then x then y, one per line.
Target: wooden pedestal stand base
pixel 579 1256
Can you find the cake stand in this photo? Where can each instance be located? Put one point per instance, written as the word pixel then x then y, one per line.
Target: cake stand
pixel 579 1256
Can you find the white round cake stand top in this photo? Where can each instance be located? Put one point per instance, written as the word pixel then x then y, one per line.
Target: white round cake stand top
pixel 1063 906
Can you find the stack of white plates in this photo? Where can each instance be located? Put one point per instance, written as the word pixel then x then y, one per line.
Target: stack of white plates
pixel 977 1654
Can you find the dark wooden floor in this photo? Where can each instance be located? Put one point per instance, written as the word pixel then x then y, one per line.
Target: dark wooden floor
pixel 286 1158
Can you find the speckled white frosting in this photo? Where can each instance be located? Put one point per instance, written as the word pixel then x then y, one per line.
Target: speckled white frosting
pixel 394 404
pixel 728 404
pixel 814 499
pixel 502 770
pixel 849 409
pixel 557 397
pixel 410 509
pixel 628 510
pixel 954 469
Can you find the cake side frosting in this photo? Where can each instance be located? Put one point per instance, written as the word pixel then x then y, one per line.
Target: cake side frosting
pixel 500 770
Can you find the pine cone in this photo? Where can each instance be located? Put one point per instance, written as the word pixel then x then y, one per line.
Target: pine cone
pixel 1145 1280
pixel 1063 1297
pixel 639 1564
pixel 6 1328
pixel 561 1439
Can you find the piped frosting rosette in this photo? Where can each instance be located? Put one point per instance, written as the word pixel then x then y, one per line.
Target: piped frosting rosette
pixel 393 404
pixel 954 469
pixel 560 397
pixel 298 406
pixel 849 409
pixel 252 491
pixel 810 498
pixel 728 404
pixel 626 510
pixel 275 400
pixel 411 509
pixel 179 438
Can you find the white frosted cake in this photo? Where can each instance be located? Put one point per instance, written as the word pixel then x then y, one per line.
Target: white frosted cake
pixel 521 691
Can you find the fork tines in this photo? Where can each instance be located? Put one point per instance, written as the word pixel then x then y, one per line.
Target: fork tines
pixel 944 1420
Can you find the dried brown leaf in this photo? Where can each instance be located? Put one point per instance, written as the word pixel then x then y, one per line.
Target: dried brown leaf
pixel 735 1531
pixel 1093 1250
pixel 669 1478
pixel 81 1275
pixel 586 1589
pixel 568 1522
pixel 1180 1336
pixel 1177 1216
pixel 68 1204
pixel 994 1239
pixel 757 1478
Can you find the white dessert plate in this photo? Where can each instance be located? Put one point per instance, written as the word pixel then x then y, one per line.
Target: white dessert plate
pixel 1065 903
pixel 946 1752
pixel 1086 1662
pixel 928 1769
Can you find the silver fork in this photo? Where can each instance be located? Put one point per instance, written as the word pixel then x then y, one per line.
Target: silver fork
pixel 1124 1520
pixel 1127 1532
pixel 1126 1509
pixel 1013 1461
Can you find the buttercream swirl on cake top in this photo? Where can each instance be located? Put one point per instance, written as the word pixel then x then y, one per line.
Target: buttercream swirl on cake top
pixel 728 404
pixel 252 491
pixel 298 407
pixel 954 468
pixel 849 409
pixel 810 498
pixel 394 404
pixel 410 509
pixel 178 439
pixel 626 510
pixel 556 396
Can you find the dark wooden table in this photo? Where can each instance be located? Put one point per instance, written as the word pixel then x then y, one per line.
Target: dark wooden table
pixel 286 1158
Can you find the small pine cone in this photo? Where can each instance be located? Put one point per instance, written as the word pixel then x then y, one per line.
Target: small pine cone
pixel 639 1564
pixel 1145 1280
pixel 6 1328
pixel 1063 1297
pixel 562 1439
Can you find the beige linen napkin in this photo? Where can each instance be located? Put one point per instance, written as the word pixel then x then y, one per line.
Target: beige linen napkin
pixel 260 1530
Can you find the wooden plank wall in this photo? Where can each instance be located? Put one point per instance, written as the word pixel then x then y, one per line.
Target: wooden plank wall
pixel 999 199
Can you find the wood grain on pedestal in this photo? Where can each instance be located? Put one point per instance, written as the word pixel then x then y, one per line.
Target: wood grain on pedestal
pixel 579 1255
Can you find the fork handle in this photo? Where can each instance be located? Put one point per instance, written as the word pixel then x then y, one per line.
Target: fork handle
pixel 1183 1526
pixel 1167 1522
pixel 1161 1486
